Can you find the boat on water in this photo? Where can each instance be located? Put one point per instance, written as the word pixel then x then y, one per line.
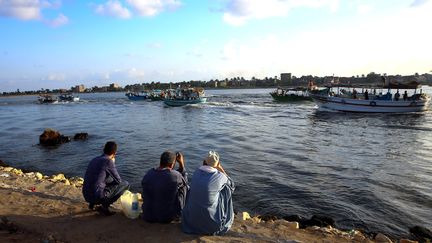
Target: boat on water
pixel 291 94
pixel 183 97
pixel 143 95
pixel 156 95
pixel 156 98
pixel 47 99
pixel 68 98
pixel 371 100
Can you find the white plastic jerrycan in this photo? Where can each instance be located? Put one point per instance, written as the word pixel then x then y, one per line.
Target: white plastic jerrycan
pixel 130 204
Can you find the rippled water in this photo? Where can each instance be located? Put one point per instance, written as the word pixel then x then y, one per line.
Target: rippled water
pixel 365 170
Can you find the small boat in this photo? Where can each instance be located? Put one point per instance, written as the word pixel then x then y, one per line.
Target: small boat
pixel 143 95
pixel 346 99
pixel 47 99
pixel 290 95
pixel 156 98
pixel 183 97
pixel 68 98
pixel 156 95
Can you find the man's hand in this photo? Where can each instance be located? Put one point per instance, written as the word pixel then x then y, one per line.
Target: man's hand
pixel 180 160
pixel 220 168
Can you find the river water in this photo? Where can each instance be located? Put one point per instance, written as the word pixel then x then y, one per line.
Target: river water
pixel 372 172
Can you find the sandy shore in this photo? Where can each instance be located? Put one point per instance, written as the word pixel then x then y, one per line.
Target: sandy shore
pixel 37 208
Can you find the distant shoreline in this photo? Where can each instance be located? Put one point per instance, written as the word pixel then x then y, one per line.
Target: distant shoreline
pixel 124 91
pixel 359 85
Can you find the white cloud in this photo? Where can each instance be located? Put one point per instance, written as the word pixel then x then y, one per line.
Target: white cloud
pixel 135 73
pixel 53 4
pixel 419 3
pixel 125 74
pixel 126 9
pixel 237 12
pixel 258 57
pixel 153 7
pixel 59 21
pixel 21 9
pixel 32 10
pixel 56 77
pixel 113 8
pixel 364 8
pixel 397 43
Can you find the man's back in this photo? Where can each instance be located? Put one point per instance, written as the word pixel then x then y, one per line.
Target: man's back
pixel 209 207
pixel 164 193
pixel 100 171
pixel 94 179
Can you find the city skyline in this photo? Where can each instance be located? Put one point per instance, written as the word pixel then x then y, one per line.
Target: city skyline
pixel 54 44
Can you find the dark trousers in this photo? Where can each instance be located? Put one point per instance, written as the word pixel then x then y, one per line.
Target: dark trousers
pixel 113 192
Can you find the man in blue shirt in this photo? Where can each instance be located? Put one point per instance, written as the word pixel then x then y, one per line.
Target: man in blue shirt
pixel 164 189
pixel 209 208
pixel 102 183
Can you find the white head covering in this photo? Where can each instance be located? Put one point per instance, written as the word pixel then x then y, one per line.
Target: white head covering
pixel 212 158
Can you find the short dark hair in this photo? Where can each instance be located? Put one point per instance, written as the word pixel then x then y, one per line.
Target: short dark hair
pixel 110 148
pixel 167 158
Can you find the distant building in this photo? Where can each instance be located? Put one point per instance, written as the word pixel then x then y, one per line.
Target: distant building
pixel 78 88
pixel 212 84
pixel 286 79
pixel 114 86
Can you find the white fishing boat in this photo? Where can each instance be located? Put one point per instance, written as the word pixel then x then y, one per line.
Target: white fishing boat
pixel 348 99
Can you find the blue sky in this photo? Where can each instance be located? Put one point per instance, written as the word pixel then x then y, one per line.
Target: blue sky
pixel 61 43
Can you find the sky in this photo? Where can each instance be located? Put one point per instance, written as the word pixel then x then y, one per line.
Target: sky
pixel 62 43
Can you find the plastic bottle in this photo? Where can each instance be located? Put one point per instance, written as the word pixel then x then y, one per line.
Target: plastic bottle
pixel 135 205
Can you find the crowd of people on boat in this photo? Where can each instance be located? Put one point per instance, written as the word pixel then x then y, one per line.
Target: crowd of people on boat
pixel 203 206
pixel 183 94
pixel 380 96
pixel 48 99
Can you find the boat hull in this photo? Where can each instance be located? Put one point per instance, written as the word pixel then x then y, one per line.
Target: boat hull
pixel 47 100
pixel 69 99
pixel 172 102
pixel 135 98
pixel 370 106
pixel 156 98
pixel 290 98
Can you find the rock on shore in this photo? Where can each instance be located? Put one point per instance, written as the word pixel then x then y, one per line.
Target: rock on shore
pixel 41 208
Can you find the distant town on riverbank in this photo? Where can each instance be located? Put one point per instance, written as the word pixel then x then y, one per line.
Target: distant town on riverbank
pixel 284 80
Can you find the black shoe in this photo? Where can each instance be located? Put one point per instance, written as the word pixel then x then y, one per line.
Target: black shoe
pixel 105 211
pixel 91 206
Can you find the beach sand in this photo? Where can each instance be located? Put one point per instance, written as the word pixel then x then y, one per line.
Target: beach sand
pixel 35 209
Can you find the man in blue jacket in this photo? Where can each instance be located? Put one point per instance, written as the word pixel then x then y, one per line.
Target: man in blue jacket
pixel 164 189
pixel 209 208
pixel 102 183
